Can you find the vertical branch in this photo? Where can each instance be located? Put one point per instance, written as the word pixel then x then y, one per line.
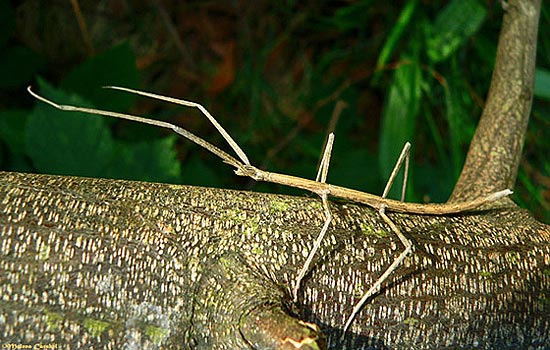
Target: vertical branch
pixel 83 27
pixel 495 152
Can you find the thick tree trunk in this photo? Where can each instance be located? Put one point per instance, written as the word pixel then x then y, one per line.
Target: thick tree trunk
pixel 117 264
pixel 110 264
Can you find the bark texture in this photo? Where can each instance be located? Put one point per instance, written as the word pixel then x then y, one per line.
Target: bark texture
pixel 93 263
pixel 495 152
pixel 118 264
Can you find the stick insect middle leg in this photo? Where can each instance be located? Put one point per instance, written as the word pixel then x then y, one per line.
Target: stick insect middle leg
pixel 322 177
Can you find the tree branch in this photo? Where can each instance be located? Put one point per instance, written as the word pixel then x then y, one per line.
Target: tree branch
pixel 495 152
pixel 95 263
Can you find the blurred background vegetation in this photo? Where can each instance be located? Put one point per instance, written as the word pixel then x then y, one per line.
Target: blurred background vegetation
pixel 277 74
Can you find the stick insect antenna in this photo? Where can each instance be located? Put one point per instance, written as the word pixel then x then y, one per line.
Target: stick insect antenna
pixel 180 131
pixel 212 120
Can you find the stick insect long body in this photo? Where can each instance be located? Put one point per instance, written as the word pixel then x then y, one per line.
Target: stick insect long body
pixel 368 199
pixel 244 168
pixel 320 187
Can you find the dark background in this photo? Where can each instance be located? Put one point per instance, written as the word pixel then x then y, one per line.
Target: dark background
pixel 272 72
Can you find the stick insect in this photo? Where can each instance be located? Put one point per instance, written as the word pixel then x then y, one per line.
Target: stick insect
pixel 243 167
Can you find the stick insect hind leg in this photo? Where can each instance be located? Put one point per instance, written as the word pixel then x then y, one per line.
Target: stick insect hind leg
pixel 375 288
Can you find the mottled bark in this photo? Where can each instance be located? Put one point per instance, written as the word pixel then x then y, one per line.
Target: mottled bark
pixel 119 264
pixel 495 151
pixel 92 263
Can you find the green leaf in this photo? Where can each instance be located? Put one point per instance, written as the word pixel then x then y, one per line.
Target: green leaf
pixel 357 170
pixel 74 143
pixel 196 172
pixel 346 18
pixel 453 27
pixel 542 83
pixel 153 160
pixel 67 143
pixel 399 116
pixel 455 115
pixel 12 129
pixel 113 67
pixel 433 182
pixel 396 33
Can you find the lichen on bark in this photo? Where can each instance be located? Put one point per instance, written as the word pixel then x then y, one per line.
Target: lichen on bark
pixel 93 263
